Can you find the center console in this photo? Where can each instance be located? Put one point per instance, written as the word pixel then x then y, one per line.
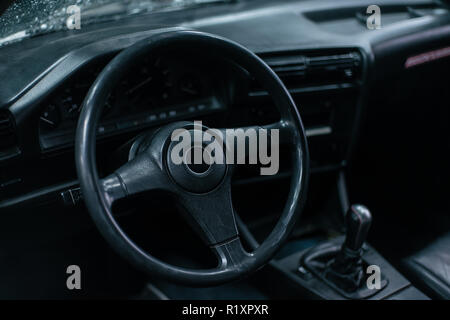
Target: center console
pixel 326 86
pixel 344 267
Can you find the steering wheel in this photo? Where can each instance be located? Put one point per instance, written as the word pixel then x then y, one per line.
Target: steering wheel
pixel 205 195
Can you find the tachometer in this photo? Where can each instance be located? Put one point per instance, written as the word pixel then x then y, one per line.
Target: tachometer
pixel 190 85
pixel 51 117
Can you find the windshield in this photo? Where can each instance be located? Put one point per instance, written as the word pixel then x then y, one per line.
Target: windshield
pixel 25 18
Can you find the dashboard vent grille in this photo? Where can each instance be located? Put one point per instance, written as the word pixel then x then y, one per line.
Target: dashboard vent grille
pixel 348 60
pixel 303 70
pixel 8 138
pixel 334 68
pixel 295 65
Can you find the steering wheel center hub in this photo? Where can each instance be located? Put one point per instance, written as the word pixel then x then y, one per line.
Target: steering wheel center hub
pixel 194 167
pixel 202 165
pixel 199 168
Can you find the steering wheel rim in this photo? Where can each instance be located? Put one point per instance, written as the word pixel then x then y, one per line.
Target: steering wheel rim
pixel 99 193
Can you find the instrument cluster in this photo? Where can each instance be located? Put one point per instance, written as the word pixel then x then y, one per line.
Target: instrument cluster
pixel 157 90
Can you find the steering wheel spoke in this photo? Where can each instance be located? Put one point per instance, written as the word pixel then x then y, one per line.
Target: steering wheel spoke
pixel 211 215
pixel 285 130
pixel 231 254
pixel 256 144
pixel 113 188
pixel 280 132
pixel 140 174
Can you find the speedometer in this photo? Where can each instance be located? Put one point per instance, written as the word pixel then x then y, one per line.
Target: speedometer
pixel 51 117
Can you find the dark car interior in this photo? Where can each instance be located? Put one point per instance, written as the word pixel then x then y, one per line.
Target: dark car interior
pixel 364 174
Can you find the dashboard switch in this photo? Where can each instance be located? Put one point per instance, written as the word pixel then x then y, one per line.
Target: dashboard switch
pixel 72 197
pixel 101 129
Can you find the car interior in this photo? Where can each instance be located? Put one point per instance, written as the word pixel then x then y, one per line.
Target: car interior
pixel 358 208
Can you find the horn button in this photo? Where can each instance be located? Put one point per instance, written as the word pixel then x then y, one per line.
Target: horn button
pixel 196 176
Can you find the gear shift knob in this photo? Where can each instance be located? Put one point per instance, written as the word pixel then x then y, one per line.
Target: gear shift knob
pixel 358 221
pixel 344 268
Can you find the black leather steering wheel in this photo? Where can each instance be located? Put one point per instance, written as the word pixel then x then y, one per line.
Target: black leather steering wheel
pixel 206 197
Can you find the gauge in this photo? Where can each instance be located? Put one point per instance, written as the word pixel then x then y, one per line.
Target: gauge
pixel 51 117
pixel 68 104
pixel 144 80
pixel 144 86
pixel 189 85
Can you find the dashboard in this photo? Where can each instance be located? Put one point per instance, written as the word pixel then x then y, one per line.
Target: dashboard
pixel 321 49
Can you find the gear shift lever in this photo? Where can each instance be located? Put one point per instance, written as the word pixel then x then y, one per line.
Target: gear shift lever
pixel 342 266
pixel 346 269
pixel 358 221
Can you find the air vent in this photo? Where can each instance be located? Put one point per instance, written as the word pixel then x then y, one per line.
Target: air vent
pixel 8 138
pixel 334 68
pixel 303 71
pixel 291 70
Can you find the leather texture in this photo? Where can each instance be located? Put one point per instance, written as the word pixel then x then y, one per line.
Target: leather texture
pixel 429 269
